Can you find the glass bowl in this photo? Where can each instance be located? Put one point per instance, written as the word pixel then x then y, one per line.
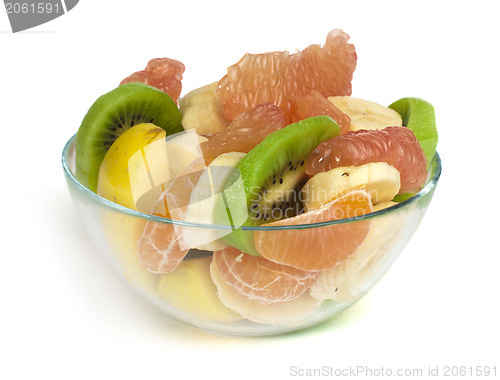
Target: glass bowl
pixel 190 294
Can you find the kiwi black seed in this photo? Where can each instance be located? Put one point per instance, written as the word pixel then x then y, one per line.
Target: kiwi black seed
pixel 281 198
pixel 273 174
pixel 111 115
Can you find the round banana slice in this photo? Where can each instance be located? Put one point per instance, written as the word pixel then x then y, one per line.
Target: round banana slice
pixel 365 114
pixel 203 201
pixel 380 179
pixel 291 313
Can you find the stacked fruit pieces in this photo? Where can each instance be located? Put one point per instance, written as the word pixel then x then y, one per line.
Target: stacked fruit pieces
pixel 278 143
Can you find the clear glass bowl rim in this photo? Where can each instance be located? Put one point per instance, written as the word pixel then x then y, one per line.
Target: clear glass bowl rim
pixel 436 162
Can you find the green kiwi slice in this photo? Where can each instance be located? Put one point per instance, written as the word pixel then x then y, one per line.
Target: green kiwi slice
pixel 418 115
pixel 268 180
pixel 111 115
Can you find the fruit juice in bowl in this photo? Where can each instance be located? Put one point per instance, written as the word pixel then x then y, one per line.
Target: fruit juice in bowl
pixel 248 211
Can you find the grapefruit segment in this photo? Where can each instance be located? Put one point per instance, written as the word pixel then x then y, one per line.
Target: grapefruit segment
pixel 261 280
pixel 315 104
pixel 161 247
pixel 397 146
pixel 163 73
pixel 317 248
pixel 158 248
pixel 244 132
pixel 278 76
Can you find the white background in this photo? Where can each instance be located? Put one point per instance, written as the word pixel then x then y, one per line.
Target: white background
pixel 64 314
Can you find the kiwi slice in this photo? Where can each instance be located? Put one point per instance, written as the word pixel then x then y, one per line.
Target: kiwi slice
pixel 418 115
pixel 111 115
pixel 268 180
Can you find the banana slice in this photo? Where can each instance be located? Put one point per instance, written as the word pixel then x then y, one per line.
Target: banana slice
pixel 380 179
pixel 122 232
pixel 291 313
pixel 183 149
pixel 365 114
pixel 201 110
pixel 203 200
pixel 355 276
pixel 190 289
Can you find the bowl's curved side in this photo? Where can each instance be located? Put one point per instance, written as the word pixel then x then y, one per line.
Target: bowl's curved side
pixel 116 231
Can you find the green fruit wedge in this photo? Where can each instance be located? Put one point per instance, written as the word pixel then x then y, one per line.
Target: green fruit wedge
pixel 265 185
pixel 418 115
pixel 114 113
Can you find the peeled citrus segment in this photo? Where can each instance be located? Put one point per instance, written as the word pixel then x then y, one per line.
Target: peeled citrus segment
pixel 277 77
pixel 179 191
pixel 158 248
pixel 163 73
pixel 293 313
pixel 380 179
pixel 161 247
pixel 315 104
pixel 397 146
pixel 317 248
pixel 190 289
pixel 246 131
pixel 261 280
pixel 418 115
pixel 354 277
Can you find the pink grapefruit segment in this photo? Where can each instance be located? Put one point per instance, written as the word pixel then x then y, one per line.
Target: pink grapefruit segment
pixel 246 131
pixel 163 73
pixel 318 248
pixel 279 76
pixel 397 146
pixel 315 104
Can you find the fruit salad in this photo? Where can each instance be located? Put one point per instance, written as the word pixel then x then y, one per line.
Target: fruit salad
pixel 246 182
